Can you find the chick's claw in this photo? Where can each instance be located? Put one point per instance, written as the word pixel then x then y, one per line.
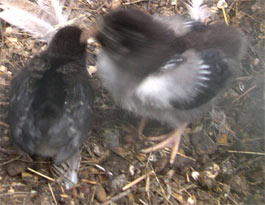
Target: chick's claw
pixel 171 140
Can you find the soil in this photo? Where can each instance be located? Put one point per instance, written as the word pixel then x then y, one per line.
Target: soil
pixel 221 159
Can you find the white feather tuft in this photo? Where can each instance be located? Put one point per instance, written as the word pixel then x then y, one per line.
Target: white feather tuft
pixel 27 22
pixel 41 20
pixel 198 11
pixel 58 11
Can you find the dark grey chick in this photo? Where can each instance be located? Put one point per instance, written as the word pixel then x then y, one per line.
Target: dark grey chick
pixel 51 102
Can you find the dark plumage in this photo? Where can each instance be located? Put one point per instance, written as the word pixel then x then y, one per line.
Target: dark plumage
pixel 166 68
pixel 51 100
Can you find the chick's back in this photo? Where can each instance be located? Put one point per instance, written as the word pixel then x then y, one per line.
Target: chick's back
pixel 51 100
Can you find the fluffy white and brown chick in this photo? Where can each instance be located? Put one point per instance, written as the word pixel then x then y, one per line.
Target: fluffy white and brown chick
pixel 166 68
pixel 51 102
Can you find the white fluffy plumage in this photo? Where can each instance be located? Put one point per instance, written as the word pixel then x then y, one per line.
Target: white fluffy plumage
pixel 198 11
pixel 155 71
pixel 41 19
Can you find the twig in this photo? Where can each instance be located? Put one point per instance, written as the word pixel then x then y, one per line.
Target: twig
pixel 182 155
pixel 97 9
pixel 225 16
pixel 237 10
pixel 11 160
pixel 244 94
pixel 144 203
pixel 54 199
pixel 117 197
pixel 147 187
pixel 89 181
pixel 134 2
pixel 232 200
pixel 191 186
pixel 6 151
pixel 4 124
pixel 16 193
pixel 161 188
pixel 246 152
pixel 92 197
pixel 222 5
pixel 149 5
pixel 136 181
pixel 40 174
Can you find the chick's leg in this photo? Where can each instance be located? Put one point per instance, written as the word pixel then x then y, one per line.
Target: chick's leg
pixel 141 126
pixel 171 139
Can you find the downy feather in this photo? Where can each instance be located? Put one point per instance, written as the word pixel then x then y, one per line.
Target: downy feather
pixel 56 8
pixel 198 11
pixel 39 19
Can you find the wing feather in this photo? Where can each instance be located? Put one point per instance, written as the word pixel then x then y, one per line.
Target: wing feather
pixel 188 81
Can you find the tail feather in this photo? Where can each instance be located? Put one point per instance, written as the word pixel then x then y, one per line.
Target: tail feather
pixel 58 10
pixel 53 8
pixel 38 19
pixel 38 28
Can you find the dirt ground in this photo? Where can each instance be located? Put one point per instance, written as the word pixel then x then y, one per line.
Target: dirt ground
pixel 221 159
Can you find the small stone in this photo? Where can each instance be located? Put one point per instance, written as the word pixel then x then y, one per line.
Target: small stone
pixel 3 69
pixel 227 167
pixel 5 138
pixel 12 40
pixel 191 201
pixel 222 4
pixel 239 184
pixel 208 175
pixel 29 177
pixel 179 197
pixel 256 61
pixel 160 164
pixel 117 183
pixel 100 194
pixel 173 2
pixel 111 137
pixel 33 192
pixel 162 3
pixel 212 170
pixel 152 157
pixel 206 182
pixel 203 144
pixel 120 151
pixel 16 167
pixel 115 4
pixel 170 173
pixel 97 151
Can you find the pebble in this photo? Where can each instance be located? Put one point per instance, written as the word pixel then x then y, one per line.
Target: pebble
pixel 27 177
pixel 16 167
pixel 100 194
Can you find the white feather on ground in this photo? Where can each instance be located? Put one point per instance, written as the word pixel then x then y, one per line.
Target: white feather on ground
pixel 41 19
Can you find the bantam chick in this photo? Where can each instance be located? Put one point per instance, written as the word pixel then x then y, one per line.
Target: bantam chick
pixel 166 68
pixel 51 102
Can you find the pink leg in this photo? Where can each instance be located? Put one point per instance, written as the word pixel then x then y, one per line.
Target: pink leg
pixel 172 138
